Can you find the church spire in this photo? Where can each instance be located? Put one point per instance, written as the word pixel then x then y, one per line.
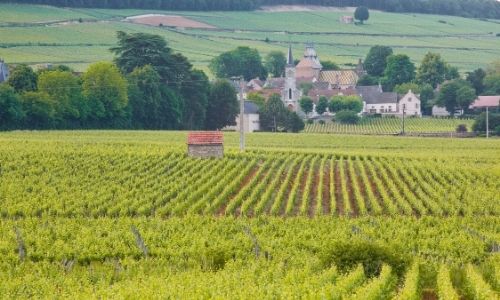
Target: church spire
pixel 289 60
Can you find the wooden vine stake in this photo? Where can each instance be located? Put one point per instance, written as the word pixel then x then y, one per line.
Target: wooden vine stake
pixel 139 241
pixel 21 248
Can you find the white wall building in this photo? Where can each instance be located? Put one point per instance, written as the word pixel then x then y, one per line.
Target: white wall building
pixel 251 119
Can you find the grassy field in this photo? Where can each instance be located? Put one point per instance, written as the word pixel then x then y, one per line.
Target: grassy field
pixel 39 34
pixel 391 126
pixel 125 214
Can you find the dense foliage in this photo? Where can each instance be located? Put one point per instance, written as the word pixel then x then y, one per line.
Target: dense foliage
pixel 148 87
pixel 466 8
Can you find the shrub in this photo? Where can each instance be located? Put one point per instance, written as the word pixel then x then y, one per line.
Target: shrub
pixel 310 121
pixel 322 122
pixel 346 255
pixel 461 128
pixel 347 117
pixel 497 130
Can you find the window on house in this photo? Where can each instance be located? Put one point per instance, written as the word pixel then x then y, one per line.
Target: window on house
pixel 409 99
pixel 416 105
pixel 290 94
pixel 390 108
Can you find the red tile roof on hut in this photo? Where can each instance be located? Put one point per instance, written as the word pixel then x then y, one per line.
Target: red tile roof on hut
pixel 205 138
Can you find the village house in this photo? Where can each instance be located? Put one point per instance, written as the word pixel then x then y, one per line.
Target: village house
pixel 4 71
pixel 251 118
pixel 376 101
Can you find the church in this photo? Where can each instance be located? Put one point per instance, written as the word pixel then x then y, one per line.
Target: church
pixel 309 70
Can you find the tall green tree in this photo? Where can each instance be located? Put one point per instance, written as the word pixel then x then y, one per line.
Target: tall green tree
pixel 322 105
pixel 274 115
pixel 242 61
pixel 476 79
pixel 11 112
pixel 492 84
pixel 426 97
pixel 456 94
pixel 39 109
pixel 432 70
pixel 66 91
pixel 275 63
pixel 306 104
pixel 362 14
pixel 195 94
pixel 329 65
pixel 399 70
pixel 402 89
pixel 105 89
pixel 376 60
pixel 222 106
pixel 22 79
pixel 145 98
pixel 141 49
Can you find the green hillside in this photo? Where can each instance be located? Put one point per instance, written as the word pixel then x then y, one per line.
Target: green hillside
pixel 38 34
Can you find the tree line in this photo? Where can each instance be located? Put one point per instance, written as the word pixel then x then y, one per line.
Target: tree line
pixel 465 8
pixel 148 86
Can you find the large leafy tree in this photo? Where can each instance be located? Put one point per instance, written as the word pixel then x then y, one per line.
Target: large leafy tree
pixel 66 92
pixel 306 104
pixel 456 94
pixel 376 60
pixel 322 105
pixel 223 106
pixel 141 49
pixel 492 84
pixel 426 95
pixel 275 63
pixel 476 79
pixel 11 112
pixel 242 61
pixel 362 14
pixel 22 79
pixel 432 70
pixel 39 109
pixel 105 89
pixel 274 115
pixel 399 70
pixel 145 98
pixel 195 93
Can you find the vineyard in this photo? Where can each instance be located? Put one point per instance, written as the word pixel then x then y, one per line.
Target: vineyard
pixel 391 126
pixel 122 214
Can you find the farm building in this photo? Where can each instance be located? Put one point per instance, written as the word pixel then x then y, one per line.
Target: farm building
pixel 205 144
pixel 4 71
pixel 347 19
pixel 251 118
pixel 375 101
pixel 482 102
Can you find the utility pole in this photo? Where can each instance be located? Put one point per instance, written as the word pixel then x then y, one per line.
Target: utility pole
pixel 487 123
pixel 404 113
pixel 239 80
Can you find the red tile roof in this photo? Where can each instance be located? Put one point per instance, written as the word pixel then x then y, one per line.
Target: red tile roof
pixel 486 101
pixel 205 138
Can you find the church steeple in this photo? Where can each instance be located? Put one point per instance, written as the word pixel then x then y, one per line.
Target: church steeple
pixel 289 60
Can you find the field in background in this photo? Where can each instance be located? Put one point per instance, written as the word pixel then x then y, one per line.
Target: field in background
pixel 34 34
pixel 391 126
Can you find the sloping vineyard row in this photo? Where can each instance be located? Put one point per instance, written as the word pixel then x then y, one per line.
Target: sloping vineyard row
pixel 390 126
pixel 252 184
pixel 193 256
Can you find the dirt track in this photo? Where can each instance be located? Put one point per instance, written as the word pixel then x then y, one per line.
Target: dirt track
pixel 168 20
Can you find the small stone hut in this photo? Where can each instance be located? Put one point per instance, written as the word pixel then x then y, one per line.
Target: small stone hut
pixel 205 144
